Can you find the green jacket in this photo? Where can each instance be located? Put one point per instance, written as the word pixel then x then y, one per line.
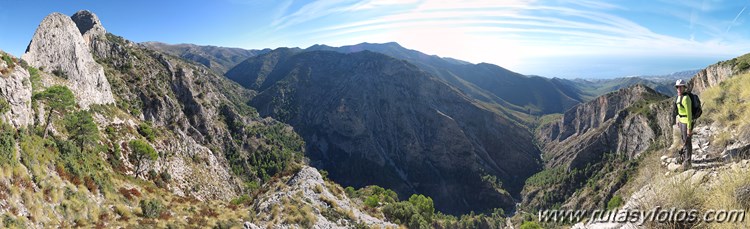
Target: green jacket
pixel 685 111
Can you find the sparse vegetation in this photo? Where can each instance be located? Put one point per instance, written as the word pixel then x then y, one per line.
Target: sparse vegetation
pixel 146 131
pixel 4 106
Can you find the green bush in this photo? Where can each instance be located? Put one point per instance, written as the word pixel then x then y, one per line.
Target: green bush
pixel 7 145
pixel 371 201
pixel 4 106
pixel 151 208
pixel 9 61
pixel 530 225
pixel 36 79
pixel 242 200
pixel 423 204
pixel 615 202
pixel 146 131
pixel 82 129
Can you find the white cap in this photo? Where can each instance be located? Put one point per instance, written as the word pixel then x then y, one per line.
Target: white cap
pixel 680 82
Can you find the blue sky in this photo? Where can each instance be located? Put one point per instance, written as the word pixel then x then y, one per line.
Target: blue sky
pixel 573 38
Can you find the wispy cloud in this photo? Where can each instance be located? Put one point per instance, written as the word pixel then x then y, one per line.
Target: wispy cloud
pixel 735 18
pixel 512 31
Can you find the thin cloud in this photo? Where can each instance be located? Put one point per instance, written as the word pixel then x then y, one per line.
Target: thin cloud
pixel 735 19
pixel 480 30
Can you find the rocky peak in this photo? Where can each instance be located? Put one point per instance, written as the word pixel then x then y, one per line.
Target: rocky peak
pixel 59 48
pixel 88 24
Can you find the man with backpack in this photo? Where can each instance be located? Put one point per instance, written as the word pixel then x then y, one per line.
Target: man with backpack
pixel 688 109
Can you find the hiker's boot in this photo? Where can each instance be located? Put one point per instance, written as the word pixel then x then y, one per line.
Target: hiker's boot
pixel 686 165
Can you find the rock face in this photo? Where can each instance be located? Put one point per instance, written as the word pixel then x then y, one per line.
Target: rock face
pixel 59 48
pixel 89 25
pixel 715 74
pixel 597 138
pixel 308 189
pixel 15 88
pixel 371 119
pixel 598 126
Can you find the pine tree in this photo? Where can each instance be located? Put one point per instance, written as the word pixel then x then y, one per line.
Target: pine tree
pixel 58 99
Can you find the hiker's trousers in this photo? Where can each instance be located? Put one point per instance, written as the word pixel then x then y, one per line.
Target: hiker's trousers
pixel 687 140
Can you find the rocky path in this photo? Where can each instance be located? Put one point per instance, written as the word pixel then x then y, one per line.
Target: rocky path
pixel 708 162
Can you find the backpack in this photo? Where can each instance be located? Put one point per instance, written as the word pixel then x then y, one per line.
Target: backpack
pixel 697 109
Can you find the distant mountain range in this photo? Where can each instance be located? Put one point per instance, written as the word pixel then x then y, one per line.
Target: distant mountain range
pixel 219 59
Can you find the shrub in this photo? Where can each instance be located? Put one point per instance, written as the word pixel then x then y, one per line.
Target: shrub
pixel 4 106
pixel 151 208
pixel 371 201
pixel 9 61
pixel 7 145
pixel 615 202
pixel 242 200
pixel 146 131
pixel 82 129
pixel 530 225
pixel 36 79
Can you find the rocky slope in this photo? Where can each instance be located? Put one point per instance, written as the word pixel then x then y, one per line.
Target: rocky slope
pixel 372 119
pixel 591 145
pixel 208 146
pixel 15 91
pixel 219 59
pixel 636 172
pixel 58 47
pixel 716 73
pixel 328 206
pixel 601 125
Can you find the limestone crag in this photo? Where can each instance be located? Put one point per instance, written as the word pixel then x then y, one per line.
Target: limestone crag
pixel 307 188
pixel 598 126
pixel 59 48
pixel 716 73
pixel 89 25
pixel 15 88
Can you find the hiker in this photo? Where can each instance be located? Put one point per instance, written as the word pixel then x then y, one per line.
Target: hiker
pixel 685 121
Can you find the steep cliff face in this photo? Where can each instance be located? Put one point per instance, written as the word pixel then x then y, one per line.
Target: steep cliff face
pixel 600 139
pixel 59 48
pixel 15 90
pixel 372 119
pixel 598 126
pixel 715 74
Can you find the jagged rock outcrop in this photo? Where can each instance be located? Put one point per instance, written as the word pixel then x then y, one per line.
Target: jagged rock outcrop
pixel 372 119
pixel 15 89
pixel 716 73
pixel 307 190
pixel 59 48
pixel 89 25
pixel 599 126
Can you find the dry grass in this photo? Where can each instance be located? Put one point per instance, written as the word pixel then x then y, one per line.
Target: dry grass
pixel 727 103
pixel 723 196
